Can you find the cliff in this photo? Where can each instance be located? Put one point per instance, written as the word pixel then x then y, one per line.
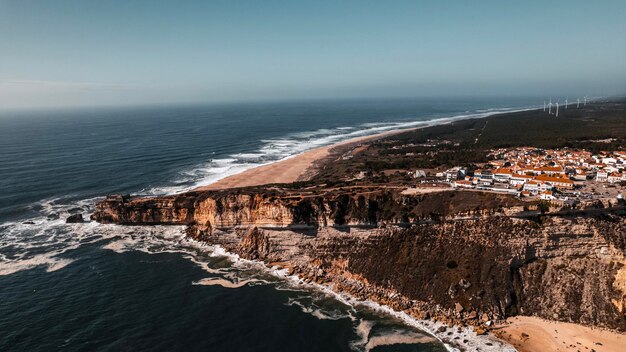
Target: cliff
pixel 284 207
pixel 463 257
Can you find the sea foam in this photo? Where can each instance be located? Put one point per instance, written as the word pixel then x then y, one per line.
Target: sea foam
pixel 47 241
pixel 277 149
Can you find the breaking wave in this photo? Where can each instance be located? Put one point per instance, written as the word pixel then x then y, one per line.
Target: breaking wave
pixel 273 150
pixel 45 241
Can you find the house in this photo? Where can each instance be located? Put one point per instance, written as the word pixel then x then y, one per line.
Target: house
pixel 579 175
pixel 547 170
pixel 454 173
pixel 419 174
pixel 602 176
pixel 535 187
pixel 506 190
pixel 532 187
pixel 609 161
pixel 558 182
pixel 502 175
pixel 552 170
pixel 486 174
pixel 462 184
pixel 614 177
pixel 485 181
pixel 547 195
pixel 518 180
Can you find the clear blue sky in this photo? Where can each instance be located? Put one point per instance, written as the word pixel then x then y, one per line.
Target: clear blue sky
pixel 58 53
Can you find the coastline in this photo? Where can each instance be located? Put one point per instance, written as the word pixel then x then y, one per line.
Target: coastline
pixel 301 166
pixel 455 338
pixel 293 168
pixel 529 334
pixel 524 332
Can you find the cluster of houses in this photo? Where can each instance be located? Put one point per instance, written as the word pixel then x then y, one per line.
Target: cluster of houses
pixel 528 171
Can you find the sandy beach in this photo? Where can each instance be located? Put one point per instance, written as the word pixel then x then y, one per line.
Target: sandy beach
pixel 291 169
pixel 531 334
pixel 298 167
pixel 526 334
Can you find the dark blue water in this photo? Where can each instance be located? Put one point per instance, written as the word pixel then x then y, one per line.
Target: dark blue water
pixel 103 287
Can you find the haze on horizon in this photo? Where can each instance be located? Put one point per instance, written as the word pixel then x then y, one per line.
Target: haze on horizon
pixel 84 53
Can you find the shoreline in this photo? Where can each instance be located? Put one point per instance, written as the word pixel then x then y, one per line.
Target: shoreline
pixel 299 166
pixel 292 168
pixel 530 334
pixel 516 333
pixel 526 333
pixel 459 339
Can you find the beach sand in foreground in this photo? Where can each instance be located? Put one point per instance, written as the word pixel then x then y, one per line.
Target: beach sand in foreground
pixel 532 334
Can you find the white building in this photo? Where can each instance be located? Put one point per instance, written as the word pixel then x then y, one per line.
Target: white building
pixel 518 180
pixel 535 187
pixel 614 177
pixel 454 173
pixel 609 161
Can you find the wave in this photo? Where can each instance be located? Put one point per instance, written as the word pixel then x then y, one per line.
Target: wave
pixel 278 149
pixel 50 261
pixel 395 338
pixel 214 281
pixel 324 303
pixel 314 305
pixel 46 241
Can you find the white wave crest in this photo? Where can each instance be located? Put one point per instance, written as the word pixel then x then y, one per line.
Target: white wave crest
pixel 46 240
pixel 213 281
pixel 49 260
pixel 274 150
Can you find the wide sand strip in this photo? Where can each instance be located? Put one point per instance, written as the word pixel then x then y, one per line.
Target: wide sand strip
pixel 527 334
pixel 295 168
pixel 531 334
pixel 291 169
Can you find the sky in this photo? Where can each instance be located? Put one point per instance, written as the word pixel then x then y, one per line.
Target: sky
pixel 94 53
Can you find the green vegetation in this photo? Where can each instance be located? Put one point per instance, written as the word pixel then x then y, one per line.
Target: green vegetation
pixel 596 127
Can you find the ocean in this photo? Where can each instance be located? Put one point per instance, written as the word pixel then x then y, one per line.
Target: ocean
pixel 94 287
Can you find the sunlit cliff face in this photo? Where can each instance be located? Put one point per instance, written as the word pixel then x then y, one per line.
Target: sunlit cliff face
pixel 499 260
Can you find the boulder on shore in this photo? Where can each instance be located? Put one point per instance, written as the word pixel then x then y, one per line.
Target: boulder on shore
pixel 74 218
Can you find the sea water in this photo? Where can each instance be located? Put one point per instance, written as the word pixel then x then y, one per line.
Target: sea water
pixel 102 287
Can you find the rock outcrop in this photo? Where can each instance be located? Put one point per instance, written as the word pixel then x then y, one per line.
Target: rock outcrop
pixel 74 218
pixel 461 257
pixel 288 208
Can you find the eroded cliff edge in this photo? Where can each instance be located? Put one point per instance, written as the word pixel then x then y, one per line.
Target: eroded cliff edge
pixel 462 257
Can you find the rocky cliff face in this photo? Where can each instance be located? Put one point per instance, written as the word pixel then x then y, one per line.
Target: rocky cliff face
pixel 453 258
pixel 226 209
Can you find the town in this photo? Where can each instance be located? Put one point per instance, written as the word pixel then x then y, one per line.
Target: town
pixel 549 174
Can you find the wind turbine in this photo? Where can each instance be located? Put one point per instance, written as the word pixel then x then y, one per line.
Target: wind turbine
pixel 544 105
pixel 577 102
pixel 557 109
pixel 585 100
pixel 550 106
pixel 566 102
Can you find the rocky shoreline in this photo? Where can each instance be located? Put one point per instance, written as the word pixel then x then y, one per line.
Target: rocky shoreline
pixel 463 258
pixel 426 255
pixel 473 282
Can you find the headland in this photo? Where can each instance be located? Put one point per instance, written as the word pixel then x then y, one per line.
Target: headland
pixel 469 223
